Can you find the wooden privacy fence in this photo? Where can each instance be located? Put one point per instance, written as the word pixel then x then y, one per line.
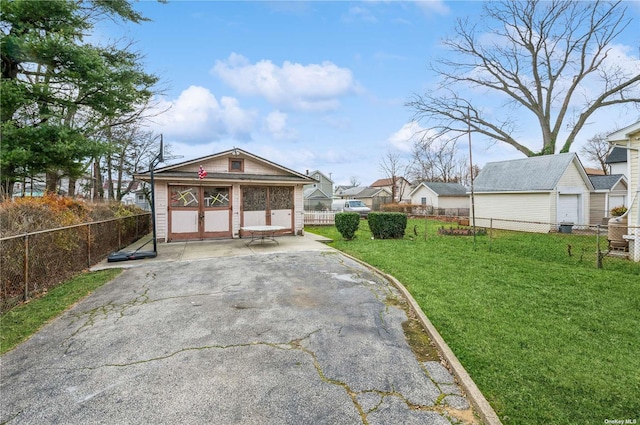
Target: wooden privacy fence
pixel 34 262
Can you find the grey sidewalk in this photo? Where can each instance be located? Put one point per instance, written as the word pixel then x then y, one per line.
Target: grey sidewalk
pixel 297 334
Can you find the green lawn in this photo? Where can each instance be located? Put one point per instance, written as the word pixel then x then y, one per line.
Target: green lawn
pixel 547 337
pixel 19 323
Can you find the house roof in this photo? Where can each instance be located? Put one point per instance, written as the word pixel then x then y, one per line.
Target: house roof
pixel 540 173
pixel 444 189
pixel 624 133
pixel 616 155
pixel 314 172
pixel 594 171
pixel 314 193
pixel 172 171
pixel 364 192
pixel 607 182
pixel 370 192
pixel 385 182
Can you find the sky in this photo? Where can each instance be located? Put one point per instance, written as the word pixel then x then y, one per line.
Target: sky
pixel 312 85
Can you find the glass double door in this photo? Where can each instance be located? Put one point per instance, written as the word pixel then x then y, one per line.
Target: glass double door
pixel 199 212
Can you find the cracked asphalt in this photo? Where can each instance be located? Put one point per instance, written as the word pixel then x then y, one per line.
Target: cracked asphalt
pixel 279 338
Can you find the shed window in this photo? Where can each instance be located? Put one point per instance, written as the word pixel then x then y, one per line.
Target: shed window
pixel 236 165
pixel 423 201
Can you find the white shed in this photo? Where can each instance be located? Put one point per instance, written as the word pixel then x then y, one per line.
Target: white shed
pixel 446 197
pixel 533 194
pixel 216 195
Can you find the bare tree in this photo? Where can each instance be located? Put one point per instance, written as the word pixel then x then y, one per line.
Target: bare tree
pixel 354 181
pixel 596 150
pixel 394 168
pixel 437 159
pixel 546 60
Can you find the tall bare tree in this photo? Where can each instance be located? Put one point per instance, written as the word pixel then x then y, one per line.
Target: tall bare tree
pixel 394 169
pixel 548 60
pixel 437 159
pixel 596 150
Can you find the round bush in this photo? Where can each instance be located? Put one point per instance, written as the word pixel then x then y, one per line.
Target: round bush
pixel 347 223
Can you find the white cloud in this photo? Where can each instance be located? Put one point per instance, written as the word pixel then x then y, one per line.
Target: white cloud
pixel 276 125
pixel 404 138
pixel 360 13
pixel 292 85
pixel 197 115
pixel 431 7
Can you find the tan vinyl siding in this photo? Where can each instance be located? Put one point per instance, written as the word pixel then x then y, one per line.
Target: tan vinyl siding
pixel 453 202
pixel 633 179
pixel 235 219
pixel 161 198
pixel 572 178
pixel 298 207
pixel 517 207
pixel 598 207
pixel 221 165
pixel 424 192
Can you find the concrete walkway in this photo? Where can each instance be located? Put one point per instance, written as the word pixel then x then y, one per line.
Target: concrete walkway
pixel 221 333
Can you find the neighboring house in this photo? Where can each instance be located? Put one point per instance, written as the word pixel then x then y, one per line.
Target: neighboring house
pixel 628 139
pixel 339 190
pixel 403 188
pixel 239 189
pixel 450 198
pixel 617 161
pixel 547 190
pixel 318 195
pixel 141 200
pixel 609 192
pixel 373 197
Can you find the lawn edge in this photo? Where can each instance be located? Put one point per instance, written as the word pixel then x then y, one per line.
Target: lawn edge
pixel 478 400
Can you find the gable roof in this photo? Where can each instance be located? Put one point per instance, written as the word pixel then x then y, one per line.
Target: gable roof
pixel 314 172
pixel 539 173
pixel 607 182
pixel 386 182
pixel 314 193
pixel 443 189
pixel 364 192
pixel 173 170
pixel 616 155
pixel 624 134
pixel 370 192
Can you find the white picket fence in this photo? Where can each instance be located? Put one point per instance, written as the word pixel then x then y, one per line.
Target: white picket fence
pixel 319 218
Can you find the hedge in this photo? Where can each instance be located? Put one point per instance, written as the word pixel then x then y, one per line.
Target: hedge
pixel 387 225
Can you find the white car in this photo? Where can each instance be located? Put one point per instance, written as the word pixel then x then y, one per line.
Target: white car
pixel 351 205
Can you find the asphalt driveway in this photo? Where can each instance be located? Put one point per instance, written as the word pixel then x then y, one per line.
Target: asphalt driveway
pixel 299 337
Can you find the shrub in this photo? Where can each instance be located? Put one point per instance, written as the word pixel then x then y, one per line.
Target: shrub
pixel 347 223
pixel 618 211
pixel 387 225
pixel 400 208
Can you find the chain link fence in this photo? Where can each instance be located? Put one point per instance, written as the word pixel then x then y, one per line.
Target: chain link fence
pixel 568 243
pixel 34 262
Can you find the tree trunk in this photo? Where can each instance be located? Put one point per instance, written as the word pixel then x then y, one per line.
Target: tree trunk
pixel 71 189
pixel 52 182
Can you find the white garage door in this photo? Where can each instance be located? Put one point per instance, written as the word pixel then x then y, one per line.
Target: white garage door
pixel 569 209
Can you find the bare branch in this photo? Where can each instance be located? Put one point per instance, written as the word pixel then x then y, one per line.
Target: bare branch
pixel 536 57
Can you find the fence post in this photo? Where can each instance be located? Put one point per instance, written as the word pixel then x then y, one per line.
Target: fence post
pixel 26 267
pixel 89 245
pixel 598 253
pixel 490 232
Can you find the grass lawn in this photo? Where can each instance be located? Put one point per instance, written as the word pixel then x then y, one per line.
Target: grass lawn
pixel 547 337
pixel 19 323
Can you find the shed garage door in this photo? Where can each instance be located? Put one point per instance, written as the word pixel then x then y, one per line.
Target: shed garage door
pixel 569 209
